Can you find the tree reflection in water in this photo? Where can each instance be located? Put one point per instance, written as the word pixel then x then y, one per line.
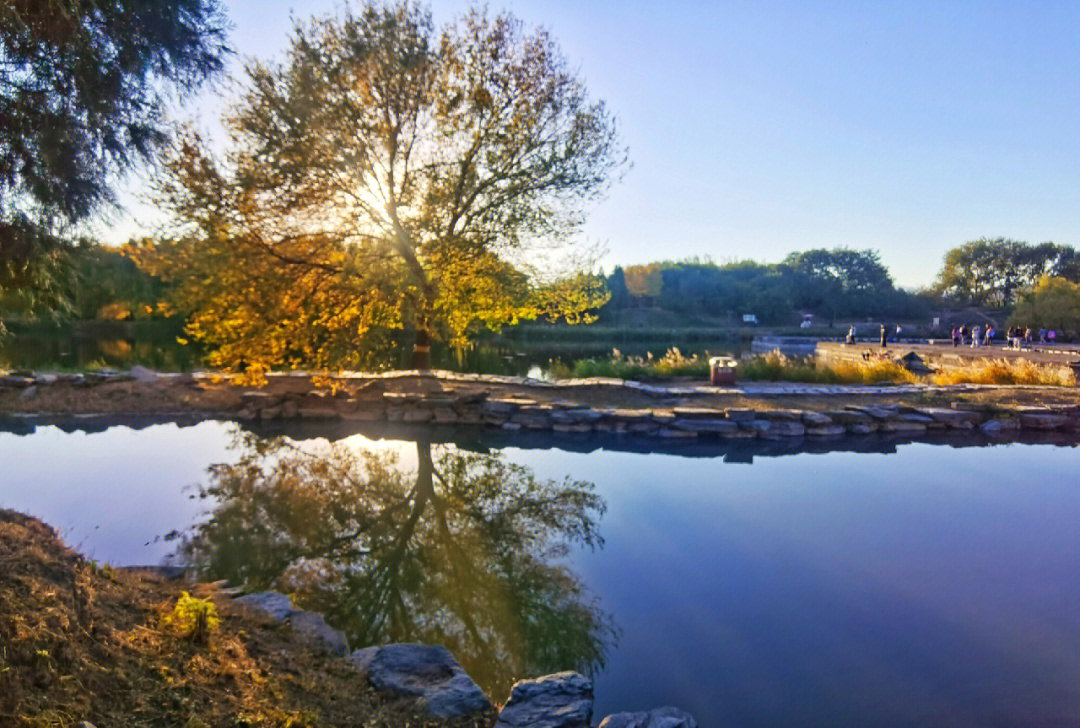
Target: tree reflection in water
pixel 468 551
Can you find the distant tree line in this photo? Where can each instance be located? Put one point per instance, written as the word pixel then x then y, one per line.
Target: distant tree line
pixel 1036 285
pixel 830 284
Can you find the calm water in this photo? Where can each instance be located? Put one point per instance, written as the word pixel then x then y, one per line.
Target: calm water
pixel 932 585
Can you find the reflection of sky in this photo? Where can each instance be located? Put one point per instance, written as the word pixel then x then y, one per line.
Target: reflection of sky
pixel 931 586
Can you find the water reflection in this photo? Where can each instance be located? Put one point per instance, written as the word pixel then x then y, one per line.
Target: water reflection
pixel 466 551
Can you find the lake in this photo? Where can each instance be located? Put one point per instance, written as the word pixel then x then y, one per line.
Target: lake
pixel 870 583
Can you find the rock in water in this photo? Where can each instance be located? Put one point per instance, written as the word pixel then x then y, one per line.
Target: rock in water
pixel 428 672
pixel 666 717
pixel 562 700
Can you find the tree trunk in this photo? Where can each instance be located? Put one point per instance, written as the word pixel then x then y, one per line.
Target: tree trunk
pixel 422 350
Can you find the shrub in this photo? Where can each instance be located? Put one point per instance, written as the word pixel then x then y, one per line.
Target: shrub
pixel 193 618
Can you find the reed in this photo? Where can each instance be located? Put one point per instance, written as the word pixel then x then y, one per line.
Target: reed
pixel 1006 371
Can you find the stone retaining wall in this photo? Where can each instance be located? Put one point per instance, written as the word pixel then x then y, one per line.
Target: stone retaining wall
pixel 670 423
pixel 368 398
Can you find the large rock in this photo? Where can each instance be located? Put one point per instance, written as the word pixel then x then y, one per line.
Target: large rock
pixel 312 627
pixel 666 717
pixel 274 604
pixel 309 625
pixel 427 672
pixel 562 700
pixel 999 427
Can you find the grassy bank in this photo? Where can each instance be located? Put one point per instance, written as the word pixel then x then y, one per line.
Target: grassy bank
pixel 79 642
pixel 775 367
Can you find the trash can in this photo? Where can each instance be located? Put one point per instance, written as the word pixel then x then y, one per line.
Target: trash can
pixel 722 370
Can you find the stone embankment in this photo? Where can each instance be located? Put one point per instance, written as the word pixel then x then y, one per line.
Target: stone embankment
pixel 431 675
pixel 670 413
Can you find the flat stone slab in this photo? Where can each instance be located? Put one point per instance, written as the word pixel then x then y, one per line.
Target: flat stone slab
pixel 1042 420
pixel 666 717
pixel 427 672
pixel 562 700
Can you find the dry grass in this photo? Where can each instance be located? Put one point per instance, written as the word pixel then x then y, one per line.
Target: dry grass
pixel 82 643
pixel 1006 371
pixel 775 367
pixel 874 371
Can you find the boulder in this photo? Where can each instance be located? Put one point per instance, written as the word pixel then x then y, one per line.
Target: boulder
pixel 782 415
pixel 877 412
pixel 863 428
pixel 313 628
pixel 703 425
pixel 427 672
pixel 902 426
pixel 999 427
pixel 666 717
pixel 276 605
pixel 784 428
pixel 142 374
pixel 826 430
pixel 562 700
pixel 739 414
pixel 956 419
pixel 816 419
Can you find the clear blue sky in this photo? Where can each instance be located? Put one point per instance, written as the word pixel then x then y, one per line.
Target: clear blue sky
pixel 758 128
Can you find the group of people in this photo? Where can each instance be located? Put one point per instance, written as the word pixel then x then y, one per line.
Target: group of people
pixel 1015 338
pixel 850 338
pixel 976 335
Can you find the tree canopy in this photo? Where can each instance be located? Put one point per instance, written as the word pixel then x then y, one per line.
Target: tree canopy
pixel 82 86
pixel 1054 303
pixel 995 272
pixel 389 175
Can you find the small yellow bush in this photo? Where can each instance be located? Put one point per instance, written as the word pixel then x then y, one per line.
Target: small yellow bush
pixel 193 618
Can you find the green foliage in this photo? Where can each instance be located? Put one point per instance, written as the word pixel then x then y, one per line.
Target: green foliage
pixel 775 367
pixel 192 618
pixel 829 283
pixel 82 86
pixel 1054 303
pixel 996 272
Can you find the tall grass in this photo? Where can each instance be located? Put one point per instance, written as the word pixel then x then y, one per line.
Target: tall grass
pixel 1006 371
pixel 775 367
pixel 672 364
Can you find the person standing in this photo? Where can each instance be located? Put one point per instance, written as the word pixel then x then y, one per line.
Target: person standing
pixel 976 331
pixel 955 337
pixel 884 337
pixel 850 335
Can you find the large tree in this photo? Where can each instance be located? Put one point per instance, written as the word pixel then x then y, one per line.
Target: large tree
pixel 82 86
pixel 1054 303
pixel 388 174
pixel 841 281
pixel 995 272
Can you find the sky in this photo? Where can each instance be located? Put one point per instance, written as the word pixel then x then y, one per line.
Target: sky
pixel 758 128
